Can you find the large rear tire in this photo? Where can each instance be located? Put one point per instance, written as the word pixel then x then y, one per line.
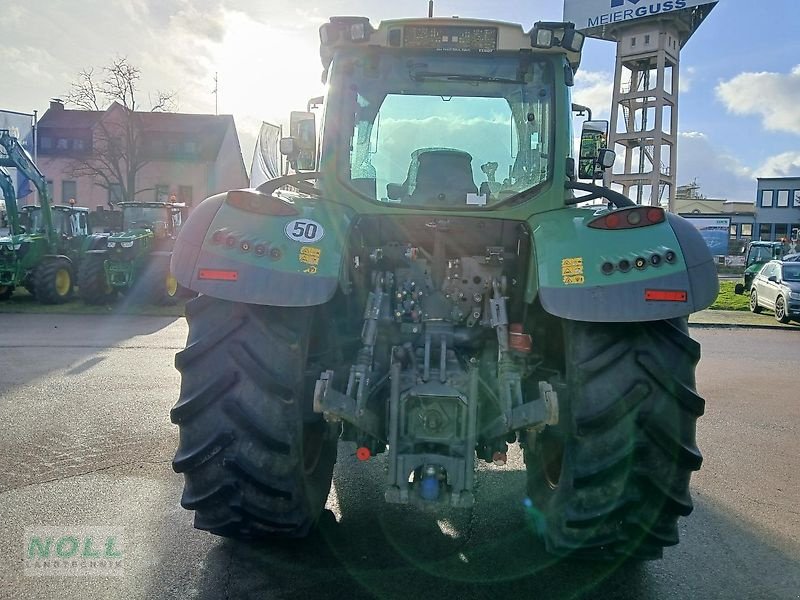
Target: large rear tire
pixel 53 281
pixel 6 291
pixel 257 461
pixel 610 481
pixel 93 287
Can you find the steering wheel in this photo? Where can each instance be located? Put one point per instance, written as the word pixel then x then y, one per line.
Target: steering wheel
pixel 296 180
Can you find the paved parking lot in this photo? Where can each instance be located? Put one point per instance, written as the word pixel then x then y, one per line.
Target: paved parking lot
pixel 85 440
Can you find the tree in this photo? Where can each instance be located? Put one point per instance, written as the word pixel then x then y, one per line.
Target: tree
pixel 118 151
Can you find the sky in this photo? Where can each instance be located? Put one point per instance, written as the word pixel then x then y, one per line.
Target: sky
pixel 740 72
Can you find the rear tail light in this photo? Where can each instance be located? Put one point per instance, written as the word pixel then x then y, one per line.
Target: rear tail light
pixel 630 218
pixel 262 204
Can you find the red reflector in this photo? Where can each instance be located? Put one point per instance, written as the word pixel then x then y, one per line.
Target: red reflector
pixel 218 275
pixel 666 295
pixel 363 454
pixel 519 341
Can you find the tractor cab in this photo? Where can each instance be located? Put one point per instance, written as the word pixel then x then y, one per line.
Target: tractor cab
pixel 162 219
pixel 438 113
pixel 758 254
pixel 68 221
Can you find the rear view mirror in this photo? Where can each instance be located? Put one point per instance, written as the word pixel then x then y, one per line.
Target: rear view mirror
pixel 303 130
pixel 594 139
pixel 287 147
pixel 606 158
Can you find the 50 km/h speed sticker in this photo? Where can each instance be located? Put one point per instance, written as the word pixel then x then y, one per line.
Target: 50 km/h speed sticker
pixel 304 231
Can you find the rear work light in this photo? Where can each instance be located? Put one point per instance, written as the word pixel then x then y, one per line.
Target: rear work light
pixel 630 218
pixel 263 204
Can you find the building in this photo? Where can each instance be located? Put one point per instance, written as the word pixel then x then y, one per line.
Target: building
pixel 185 156
pixel 778 208
pixel 740 215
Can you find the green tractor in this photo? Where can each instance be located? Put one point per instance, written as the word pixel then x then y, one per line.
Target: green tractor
pixel 758 254
pixel 135 261
pixel 45 243
pixel 425 287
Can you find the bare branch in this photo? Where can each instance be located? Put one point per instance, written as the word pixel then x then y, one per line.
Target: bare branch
pixel 84 92
pixel 118 152
pixel 164 102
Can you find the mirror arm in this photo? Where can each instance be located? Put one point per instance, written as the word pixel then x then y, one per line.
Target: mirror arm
pixel 580 109
pixel 596 191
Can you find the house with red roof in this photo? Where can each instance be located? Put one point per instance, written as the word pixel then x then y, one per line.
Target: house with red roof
pixel 85 154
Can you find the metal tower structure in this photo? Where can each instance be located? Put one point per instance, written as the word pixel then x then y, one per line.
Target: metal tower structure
pixel 644 111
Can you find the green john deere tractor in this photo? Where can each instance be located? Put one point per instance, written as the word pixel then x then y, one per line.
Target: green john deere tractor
pixel 45 243
pixel 426 287
pixel 135 261
pixel 758 254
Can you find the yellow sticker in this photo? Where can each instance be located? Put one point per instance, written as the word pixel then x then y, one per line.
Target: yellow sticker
pixel 572 271
pixel 310 255
pixel 574 279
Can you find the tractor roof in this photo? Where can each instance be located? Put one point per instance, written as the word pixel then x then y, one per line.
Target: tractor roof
pixel 452 34
pixel 152 204
pixel 61 207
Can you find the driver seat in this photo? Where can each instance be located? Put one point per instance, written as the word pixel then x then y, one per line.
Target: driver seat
pixel 440 175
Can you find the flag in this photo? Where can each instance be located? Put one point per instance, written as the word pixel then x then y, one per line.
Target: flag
pixel 266 156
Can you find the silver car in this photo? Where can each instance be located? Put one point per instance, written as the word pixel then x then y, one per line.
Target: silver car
pixel 777 287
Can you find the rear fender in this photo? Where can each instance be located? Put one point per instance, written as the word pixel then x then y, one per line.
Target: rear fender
pixel 573 285
pixel 262 259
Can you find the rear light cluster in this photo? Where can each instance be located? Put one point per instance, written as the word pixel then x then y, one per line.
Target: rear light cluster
pixel 263 204
pixel 640 262
pixel 630 218
pixel 233 240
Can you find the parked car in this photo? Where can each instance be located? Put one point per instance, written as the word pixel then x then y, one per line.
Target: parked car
pixel 792 257
pixel 777 287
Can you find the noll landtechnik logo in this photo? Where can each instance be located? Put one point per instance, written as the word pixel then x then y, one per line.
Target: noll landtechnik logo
pixel 74 551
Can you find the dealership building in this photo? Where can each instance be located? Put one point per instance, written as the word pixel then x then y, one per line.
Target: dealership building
pixel 777 208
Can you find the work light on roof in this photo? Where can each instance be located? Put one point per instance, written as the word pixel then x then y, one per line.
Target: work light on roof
pixel 542 38
pixel 351 29
pixel 573 40
pixel 546 35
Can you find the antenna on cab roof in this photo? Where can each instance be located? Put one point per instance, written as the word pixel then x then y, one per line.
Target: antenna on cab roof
pixel 430 9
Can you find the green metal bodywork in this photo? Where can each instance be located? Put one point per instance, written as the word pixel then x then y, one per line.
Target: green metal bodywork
pixel 37 232
pixel 560 237
pixel 129 251
pixel 759 254
pixel 21 253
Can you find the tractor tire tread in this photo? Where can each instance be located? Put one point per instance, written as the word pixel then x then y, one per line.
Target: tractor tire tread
pixel 242 371
pixel 630 448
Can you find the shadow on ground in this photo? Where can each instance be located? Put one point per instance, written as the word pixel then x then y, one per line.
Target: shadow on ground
pixel 382 551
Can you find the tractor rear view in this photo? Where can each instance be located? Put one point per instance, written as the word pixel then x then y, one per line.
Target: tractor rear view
pixel 45 243
pixel 425 287
pixel 135 262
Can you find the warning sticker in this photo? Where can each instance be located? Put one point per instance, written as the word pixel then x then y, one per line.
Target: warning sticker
pixel 309 255
pixel 572 271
